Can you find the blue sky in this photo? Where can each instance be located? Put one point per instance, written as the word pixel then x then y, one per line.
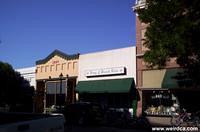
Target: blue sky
pixel 31 29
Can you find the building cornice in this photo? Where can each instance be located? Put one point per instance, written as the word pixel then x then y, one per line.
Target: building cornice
pixel 139 4
pixel 58 53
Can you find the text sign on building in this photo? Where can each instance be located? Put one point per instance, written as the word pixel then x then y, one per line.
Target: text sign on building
pixel 55 61
pixel 105 71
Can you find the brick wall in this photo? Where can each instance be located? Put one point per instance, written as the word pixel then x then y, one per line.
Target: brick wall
pixel 140 64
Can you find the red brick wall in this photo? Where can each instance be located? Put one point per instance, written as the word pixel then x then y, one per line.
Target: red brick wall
pixel 139 59
pixel 140 64
pixel 139 52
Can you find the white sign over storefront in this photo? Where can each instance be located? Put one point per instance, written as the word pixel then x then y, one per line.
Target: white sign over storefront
pixel 105 72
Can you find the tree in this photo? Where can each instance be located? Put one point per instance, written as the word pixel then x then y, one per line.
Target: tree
pixel 15 91
pixel 173 31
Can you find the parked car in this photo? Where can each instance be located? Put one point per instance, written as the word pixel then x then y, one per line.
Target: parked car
pixel 29 122
pixel 83 113
pixel 57 109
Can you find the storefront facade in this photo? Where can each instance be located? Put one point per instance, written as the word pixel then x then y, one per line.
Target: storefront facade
pixel 56 77
pixel 161 94
pixel 155 86
pixel 108 77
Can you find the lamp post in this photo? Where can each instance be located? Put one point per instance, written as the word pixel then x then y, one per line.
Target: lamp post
pixel 60 77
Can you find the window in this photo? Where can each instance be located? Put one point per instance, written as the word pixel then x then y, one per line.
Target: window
pixel 63 66
pixel 58 67
pixel 52 68
pixel 144 63
pixel 144 48
pixel 143 24
pixel 53 95
pixel 160 102
pixel 42 68
pixel 143 33
pixel 74 65
pixel 38 69
pixel 69 65
pixel 46 68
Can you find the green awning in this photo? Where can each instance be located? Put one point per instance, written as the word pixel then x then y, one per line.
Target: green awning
pixel 169 80
pixel 106 86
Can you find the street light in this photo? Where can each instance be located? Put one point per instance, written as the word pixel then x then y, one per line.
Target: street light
pixel 60 77
pixel 45 90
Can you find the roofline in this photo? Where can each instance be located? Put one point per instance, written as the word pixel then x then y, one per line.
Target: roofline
pixel 60 54
pixel 108 50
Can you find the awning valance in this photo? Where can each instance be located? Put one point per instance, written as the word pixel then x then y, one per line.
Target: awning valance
pixel 125 85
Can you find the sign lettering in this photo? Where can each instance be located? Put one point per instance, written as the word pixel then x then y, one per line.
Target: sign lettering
pixel 105 71
pixel 55 62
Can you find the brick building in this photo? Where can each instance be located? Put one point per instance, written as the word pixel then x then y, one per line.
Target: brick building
pixel 161 77
pixel 160 93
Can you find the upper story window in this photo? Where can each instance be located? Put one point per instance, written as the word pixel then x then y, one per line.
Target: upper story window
pixel 46 68
pixel 143 33
pixel 143 24
pixel 42 69
pixel 74 65
pixel 51 68
pixel 69 65
pixel 63 66
pixel 38 69
pixel 58 67
pixel 144 48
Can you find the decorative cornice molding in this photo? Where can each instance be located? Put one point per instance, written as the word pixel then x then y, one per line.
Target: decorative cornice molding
pixel 60 54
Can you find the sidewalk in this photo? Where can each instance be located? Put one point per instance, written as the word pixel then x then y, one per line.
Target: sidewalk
pixel 101 129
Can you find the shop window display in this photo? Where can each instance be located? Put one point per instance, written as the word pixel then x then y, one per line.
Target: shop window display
pixel 160 102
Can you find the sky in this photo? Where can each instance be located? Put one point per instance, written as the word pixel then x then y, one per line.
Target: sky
pixel 31 29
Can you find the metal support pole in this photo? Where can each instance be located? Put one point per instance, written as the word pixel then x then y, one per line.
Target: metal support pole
pixel 60 99
pixel 60 93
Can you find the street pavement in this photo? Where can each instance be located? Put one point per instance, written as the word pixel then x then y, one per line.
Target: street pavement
pixel 100 129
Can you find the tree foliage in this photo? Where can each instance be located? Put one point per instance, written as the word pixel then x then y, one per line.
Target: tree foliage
pixel 15 91
pixel 173 31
